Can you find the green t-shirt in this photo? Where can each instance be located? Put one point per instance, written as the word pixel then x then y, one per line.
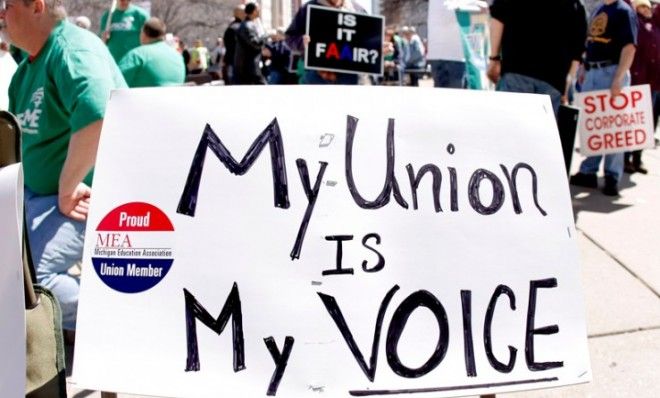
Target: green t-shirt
pixel 153 65
pixel 65 88
pixel 125 30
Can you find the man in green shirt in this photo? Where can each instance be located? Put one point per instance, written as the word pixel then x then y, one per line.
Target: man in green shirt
pixel 122 34
pixel 59 94
pixel 154 63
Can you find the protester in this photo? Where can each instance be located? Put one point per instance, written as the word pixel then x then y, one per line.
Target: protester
pixel 393 60
pixel 122 32
pixel 230 44
pixel 297 40
pixel 610 53
pixel 536 55
pixel 59 98
pixel 414 58
pixel 199 58
pixel 280 60
pixel 154 63
pixel 645 69
pixel 249 45
pixel 215 58
pixel 185 54
pixel 446 55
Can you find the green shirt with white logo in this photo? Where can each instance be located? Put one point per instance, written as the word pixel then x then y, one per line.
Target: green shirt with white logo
pixel 125 27
pixel 63 89
pixel 153 65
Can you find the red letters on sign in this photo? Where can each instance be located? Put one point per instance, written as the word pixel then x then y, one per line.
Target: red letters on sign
pixel 332 52
pixel 619 139
pixel 600 102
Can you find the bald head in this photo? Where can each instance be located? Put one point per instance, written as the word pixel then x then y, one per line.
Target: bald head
pixel 153 30
pixel 239 12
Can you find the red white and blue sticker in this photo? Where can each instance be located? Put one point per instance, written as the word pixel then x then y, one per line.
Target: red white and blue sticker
pixel 133 249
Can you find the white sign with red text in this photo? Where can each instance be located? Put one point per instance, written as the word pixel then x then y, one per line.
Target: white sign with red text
pixel 610 124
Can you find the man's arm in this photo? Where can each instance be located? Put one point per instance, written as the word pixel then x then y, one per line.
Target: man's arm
pixel 495 66
pixel 625 62
pixel 296 32
pixel 73 194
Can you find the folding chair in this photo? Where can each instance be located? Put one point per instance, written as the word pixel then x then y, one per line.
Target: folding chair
pixel 45 373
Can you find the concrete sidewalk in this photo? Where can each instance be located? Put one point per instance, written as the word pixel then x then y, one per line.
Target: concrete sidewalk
pixel 620 248
pixel 619 243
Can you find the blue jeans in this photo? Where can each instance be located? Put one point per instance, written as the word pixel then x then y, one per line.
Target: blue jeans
pixel 601 79
pixel 313 77
pixel 448 74
pixel 516 83
pixel 56 244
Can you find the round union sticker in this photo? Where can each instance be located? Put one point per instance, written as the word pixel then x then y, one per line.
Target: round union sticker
pixel 133 249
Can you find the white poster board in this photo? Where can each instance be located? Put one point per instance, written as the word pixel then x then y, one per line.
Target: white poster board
pixel 278 258
pixel 444 33
pixel 12 301
pixel 615 124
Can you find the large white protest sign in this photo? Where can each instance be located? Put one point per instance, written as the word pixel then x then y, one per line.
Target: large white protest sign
pixel 12 302
pixel 615 124
pixel 350 241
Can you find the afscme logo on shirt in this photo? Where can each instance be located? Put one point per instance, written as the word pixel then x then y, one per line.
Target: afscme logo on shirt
pixel 125 24
pixel 29 119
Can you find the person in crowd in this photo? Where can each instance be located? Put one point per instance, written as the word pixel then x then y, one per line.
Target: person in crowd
pixel 59 99
pixel 414 58
pixel 185 53
pixel 297 40
pixel 645 69
pixel 154 63
pixel 611 46
pixel 446 55
pixel 280 60
pixel 393 59
pixel 199 58
pixel 249 46
pixel 536 55
pixel 122 32
pixel 229 38
pixel 215 58
pixel 83 22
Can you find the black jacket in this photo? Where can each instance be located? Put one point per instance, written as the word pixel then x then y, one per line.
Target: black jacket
pixel 248 54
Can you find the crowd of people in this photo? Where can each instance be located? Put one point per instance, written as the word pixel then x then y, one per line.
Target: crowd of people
pixel 59 93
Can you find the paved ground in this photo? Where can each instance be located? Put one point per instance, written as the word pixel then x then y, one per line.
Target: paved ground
pixel 619 242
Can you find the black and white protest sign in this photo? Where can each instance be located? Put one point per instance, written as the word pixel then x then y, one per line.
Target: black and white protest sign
pixel 342 41
pixel 355 241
